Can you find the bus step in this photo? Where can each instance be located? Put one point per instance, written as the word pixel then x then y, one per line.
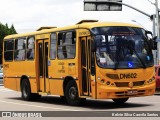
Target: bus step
pixel 43 93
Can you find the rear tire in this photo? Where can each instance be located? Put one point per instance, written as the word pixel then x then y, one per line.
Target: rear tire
pixel 26 90
pixel 120 100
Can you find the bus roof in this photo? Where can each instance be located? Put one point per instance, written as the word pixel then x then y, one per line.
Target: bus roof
pixel 87 25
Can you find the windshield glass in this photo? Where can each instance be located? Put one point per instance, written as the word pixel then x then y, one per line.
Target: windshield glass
pixel 122 47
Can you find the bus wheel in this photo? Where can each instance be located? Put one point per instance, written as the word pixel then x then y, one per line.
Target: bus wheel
pixel 120 100
pixel 71 93
pixel 26 90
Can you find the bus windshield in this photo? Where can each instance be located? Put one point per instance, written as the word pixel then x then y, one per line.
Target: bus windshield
pixel 122 47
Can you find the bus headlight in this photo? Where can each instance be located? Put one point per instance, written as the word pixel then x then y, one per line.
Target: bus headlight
pixel 102 81
pixel 108 83
pixel 151 80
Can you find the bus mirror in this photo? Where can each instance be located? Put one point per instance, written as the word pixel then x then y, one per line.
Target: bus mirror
pixel 154 43
pixel 148 32
pixel 155 38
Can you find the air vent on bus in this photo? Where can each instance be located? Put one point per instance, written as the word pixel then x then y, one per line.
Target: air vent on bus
pixel 86 21
pixel 44 28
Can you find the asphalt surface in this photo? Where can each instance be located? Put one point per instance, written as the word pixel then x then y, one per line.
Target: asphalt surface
pixel 11 101
pixel 1 81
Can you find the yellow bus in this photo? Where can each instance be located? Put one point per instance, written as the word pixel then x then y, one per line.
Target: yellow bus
pixel 98 60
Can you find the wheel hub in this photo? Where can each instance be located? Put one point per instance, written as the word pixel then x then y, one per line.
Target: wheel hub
pixel 73 93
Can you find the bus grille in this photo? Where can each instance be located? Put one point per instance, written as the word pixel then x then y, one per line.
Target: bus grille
pixel 126 84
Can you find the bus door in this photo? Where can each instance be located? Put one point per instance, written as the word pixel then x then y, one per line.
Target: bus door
pixel 43 65
pixel 86 56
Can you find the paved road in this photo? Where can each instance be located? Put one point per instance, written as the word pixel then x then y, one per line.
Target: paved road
pixel 1 81
pixel 11 101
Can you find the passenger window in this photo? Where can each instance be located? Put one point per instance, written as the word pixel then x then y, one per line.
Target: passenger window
pixel 20 46
pixel 67 45
pixel 30 48
pixel 53 46
pixel 8 50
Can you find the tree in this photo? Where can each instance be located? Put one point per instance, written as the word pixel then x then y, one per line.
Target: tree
pixel 4 31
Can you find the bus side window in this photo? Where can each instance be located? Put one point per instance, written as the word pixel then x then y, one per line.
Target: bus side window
pixel 30 48
pixel 8 50
pixel 66 45
pixel 20 49
pixel 53 46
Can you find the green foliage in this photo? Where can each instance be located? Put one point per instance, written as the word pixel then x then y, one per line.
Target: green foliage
pixel 4 31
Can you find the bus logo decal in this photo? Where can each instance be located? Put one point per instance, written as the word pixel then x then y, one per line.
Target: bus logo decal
pixel 130 84
pixel 128 75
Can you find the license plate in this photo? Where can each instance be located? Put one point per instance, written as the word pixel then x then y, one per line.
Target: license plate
pixel 132 92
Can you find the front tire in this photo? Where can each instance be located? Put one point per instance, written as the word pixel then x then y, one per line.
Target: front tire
pixel 71 93
pixel 120 100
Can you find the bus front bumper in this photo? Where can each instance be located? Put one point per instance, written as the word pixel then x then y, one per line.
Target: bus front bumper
pixel 105 92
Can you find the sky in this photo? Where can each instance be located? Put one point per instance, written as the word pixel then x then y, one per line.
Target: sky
pixel 29 15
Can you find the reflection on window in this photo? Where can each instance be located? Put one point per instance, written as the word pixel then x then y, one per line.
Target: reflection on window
pixel 66 45
pixel 20 45
pixel 53 46
pixel 122 47
pixel 19 55
pixel 8 50
pixel 30 48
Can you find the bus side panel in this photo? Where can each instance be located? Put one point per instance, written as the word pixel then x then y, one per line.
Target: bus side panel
pixel 56 87
pixel 14 72
pixel 10 83
pixel 10 79
pixel 58 71
pixel 33 84
pixel 55 82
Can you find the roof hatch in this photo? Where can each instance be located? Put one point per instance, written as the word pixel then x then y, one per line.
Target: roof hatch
pixel 44 28
pixel 86 21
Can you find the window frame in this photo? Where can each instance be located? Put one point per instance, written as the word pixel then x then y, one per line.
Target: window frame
pixel 5 50
pixel 56 56
pixel 20 49
pixel 28 37
pixel 58 43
